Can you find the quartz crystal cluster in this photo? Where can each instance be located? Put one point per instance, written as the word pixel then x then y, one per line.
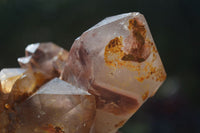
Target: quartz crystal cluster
pixel 110 71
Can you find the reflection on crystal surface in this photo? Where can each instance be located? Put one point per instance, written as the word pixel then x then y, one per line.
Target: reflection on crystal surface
pixel 31 49
pixel 8 77
pixel 25 62
pixel 47 58
pixel 57 106
pixel 117 57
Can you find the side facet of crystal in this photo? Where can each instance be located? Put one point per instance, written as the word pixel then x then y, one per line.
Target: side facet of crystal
pixel 57 107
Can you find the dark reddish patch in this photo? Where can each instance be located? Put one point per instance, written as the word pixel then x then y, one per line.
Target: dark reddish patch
pixel 78 64
pixel 120 124
pixel 51 129
pixel 135 48
pixel 113 102
pixel 59 130
pixel 82 55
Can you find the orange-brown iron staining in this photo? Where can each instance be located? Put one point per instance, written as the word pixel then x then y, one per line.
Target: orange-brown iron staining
pixel 114 54
pixel 120 124
pixel 160 75
pixel 145 95
pixel 52 129
pixel 155 73
pixel 7 106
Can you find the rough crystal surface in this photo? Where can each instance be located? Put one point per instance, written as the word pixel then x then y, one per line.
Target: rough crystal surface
pixel 8 78
pixel 16 84
pixel 47 58
pixel 117 61
pixel 57 107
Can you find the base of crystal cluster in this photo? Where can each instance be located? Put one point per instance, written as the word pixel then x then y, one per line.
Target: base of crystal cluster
pixel 110 71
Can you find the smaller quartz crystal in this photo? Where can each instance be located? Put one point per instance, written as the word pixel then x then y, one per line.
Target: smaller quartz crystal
pixel 16 84
pixel 57 107
pixel 47 58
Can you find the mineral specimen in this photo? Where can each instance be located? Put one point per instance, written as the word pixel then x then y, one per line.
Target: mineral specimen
pixel 57 107
pixel 116 61
pixel 46 58
pixel 111 70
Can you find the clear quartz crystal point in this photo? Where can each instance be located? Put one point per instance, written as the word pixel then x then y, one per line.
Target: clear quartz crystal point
pixel 118 62
pixel 46 58
pixel 57 107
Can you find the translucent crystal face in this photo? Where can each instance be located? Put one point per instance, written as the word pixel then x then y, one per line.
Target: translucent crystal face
pixel 57 106
pixel 47 58
pixel 117 61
